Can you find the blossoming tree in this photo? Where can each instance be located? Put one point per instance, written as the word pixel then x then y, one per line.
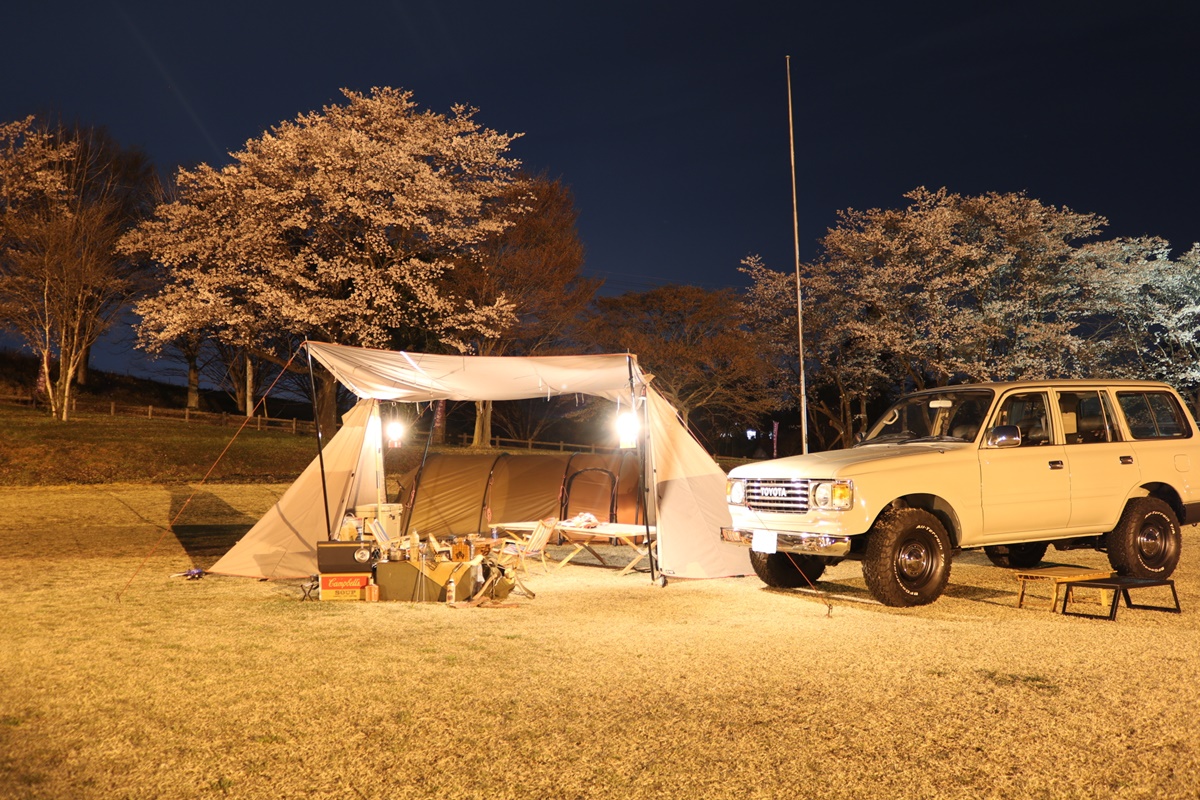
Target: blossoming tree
pixel 342 225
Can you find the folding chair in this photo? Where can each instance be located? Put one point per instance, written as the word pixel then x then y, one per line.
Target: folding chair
pixel 532 546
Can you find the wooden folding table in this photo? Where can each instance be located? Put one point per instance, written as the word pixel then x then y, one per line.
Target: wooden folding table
pixel 1057 576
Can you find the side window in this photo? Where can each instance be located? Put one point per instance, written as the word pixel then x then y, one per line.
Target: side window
pixel 1153 415
pixel 1027 411
pixel 967 419
pixel 1087 418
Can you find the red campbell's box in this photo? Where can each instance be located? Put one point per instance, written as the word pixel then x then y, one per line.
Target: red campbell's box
pixel 343 586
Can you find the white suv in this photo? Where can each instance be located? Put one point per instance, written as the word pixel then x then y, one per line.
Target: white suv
pixel 1009 467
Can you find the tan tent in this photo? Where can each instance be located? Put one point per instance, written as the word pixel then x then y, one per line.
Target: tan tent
pixel 684 489
pixel 461 494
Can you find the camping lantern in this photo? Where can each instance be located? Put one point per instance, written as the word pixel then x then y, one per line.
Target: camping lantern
pixel 627 430
pixel 395 432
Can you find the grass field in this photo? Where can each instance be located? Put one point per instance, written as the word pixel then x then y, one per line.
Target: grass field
pixel 96 448
pixel 601 687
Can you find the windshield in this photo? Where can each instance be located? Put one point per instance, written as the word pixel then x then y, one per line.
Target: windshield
pixel 950 415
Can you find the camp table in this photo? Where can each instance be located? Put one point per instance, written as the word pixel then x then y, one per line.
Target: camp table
pixel 582 539
pixel 624 533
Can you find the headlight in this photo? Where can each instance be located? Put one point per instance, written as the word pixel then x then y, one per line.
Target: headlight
pixel 833 495
pixel 735 492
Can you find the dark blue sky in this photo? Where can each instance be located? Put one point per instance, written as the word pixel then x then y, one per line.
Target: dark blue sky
pixel 669 120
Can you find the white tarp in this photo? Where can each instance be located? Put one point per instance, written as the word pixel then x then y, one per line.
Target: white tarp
pixel 687 498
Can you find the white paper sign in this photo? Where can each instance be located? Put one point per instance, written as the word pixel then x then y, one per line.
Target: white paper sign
pixel 763 542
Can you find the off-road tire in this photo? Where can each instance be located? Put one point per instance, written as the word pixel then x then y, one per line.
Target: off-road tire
pixel 786 570
pixel 1017 556
pixel 907 562
pixel 1146 542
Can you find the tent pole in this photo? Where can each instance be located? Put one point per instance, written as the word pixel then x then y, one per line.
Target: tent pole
pixel 412 497
pixel 642 452
pixel 563 497
pixel 312 382
pixel 486 500
pixel 380 467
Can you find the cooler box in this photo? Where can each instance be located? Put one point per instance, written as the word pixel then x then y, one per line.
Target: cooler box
pixel 344 586
pixel 388 515
pixel 339 557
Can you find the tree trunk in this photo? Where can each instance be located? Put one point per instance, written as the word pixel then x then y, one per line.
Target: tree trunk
pixel 326 410
pixel 483 424
pixel 62 391
pixel 193 383
pixel 439 423
pixel 81 374
pixel 239 383
pixel 249 387
pixel 47 385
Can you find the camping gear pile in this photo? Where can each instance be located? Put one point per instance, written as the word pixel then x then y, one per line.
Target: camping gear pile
pixel 368 563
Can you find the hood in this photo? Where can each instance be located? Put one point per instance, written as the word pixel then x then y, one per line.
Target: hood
pixel 851 462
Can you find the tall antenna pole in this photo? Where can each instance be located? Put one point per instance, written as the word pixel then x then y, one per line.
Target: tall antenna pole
pixel 796 240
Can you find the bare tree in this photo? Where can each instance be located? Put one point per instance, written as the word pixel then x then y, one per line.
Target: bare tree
pixel 704 357
pixel 535 265
pixel 67 197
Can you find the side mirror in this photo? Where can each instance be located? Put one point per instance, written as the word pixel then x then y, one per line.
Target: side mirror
pixel 1004 436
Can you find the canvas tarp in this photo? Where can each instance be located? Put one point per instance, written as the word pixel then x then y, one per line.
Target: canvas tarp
pixel 686 488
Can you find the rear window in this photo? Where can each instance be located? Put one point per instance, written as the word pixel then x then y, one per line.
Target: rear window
pixel 1153 415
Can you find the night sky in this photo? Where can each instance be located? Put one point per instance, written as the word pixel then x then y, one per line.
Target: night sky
pixel 669 120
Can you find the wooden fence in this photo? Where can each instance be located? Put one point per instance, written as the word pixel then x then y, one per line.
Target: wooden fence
pixel 288 425
pixel 530 444
pixel 186 415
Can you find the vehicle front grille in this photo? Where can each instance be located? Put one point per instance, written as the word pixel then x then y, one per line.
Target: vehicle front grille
pixel 782 496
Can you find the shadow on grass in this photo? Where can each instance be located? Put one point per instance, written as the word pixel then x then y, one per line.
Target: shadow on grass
pixel 208 526
pixel 978 593
pixel 827 590
pixel 824 591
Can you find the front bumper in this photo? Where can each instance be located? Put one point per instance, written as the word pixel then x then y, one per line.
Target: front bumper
pixel 817 544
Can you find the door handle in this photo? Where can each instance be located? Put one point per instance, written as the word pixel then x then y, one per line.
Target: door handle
pixel 1056 464
pixel 1126 459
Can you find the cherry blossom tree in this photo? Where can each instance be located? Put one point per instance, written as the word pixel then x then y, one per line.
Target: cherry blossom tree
pixel 841 374
pixel 342 225
pixel 1144 310
pixel 947 288
pixel 962 287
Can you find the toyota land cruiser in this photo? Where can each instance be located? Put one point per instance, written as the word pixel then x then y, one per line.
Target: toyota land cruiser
pixel 1011 468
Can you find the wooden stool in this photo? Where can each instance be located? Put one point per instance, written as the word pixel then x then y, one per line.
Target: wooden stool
pixel 1057 576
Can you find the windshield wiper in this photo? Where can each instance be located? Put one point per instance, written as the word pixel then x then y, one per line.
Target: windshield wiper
pixel 888 437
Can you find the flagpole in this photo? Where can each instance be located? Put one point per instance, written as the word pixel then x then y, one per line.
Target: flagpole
pixel 796 241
